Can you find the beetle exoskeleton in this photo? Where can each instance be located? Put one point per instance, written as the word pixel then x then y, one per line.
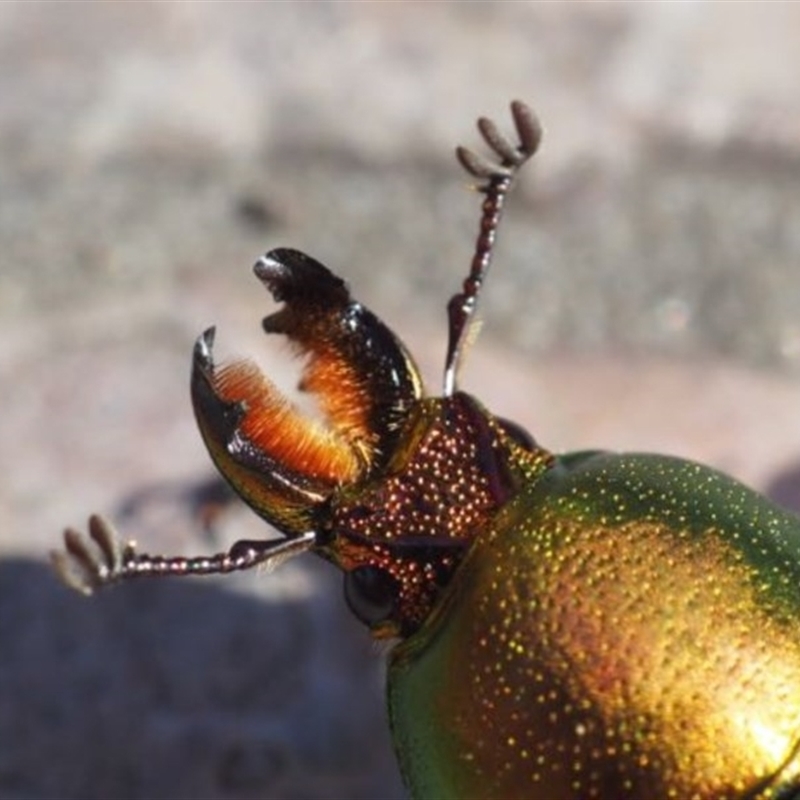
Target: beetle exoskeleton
pixel 587 625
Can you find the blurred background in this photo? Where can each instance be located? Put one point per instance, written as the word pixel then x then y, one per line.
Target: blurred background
pixel 645 295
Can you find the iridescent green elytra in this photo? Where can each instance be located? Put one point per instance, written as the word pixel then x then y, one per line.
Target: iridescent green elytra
pixel 580 626
pixel 627 627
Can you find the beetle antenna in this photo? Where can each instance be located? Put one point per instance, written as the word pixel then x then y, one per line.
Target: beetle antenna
pixel 498 178
pixel 85 567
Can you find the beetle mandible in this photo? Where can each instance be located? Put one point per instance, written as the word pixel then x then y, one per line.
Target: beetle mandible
pixel 566 626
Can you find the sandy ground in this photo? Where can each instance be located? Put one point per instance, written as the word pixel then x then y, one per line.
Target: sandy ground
pixel 646 296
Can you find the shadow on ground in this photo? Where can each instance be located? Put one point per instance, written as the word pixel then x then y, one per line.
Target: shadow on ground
pixel 184 689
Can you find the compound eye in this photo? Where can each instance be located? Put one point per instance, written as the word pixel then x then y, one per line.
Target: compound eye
pixel 518 433
pixel 371 594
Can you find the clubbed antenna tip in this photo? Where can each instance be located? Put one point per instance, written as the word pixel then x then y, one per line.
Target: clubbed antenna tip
pixel 498 176
pixel 87 566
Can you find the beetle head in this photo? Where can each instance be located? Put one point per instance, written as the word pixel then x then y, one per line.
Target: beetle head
pixel 392 484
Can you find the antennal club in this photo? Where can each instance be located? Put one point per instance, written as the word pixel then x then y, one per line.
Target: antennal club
pixel 498 178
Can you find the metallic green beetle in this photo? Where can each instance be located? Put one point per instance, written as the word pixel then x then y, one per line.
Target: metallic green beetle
pixel 588 625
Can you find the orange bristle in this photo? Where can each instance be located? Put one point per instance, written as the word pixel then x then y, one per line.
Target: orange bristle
pixel 275 426
pixel 343 397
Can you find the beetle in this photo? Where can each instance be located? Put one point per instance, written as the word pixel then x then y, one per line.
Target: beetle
pixel 582 625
